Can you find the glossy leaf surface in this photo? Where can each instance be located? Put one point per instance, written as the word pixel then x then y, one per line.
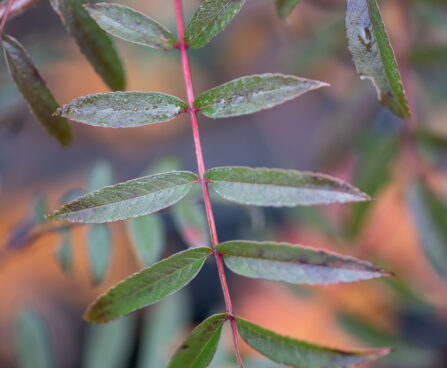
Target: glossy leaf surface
pixel 301 354
pixel 373 56
pixel 280 188
pixel 34 90
pixel 123 109
pixel 294 264
pixel 251 94
pixel 209 20
pixel 133 198
pixel 198 349
pixel 148 286
pixel 131 25
pixel 285 7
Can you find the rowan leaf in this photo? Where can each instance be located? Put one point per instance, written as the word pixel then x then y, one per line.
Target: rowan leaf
pixel 301 354
pixel 93 42
pixel 294 264
pixel 34 90
pixel 99 250
pixel 280 188
pixel 133 198
pixel 148 286
pixel 373 56
pixel 253 93
pixel 199 348
pixel 209 20
pixel 123 109
pixel 285 7
pixel 131 25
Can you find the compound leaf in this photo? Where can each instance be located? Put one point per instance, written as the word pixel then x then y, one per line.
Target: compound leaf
pixel 148 286
pixel 199 348
pixel 373 56
pixel 294 264
pixel 123 109
pixel 280 188
pixel 301 354
pixel 131 25
pixel 133 198
pixel 210 19
pixel 34 90
pixel 285 7
pixel 251 94
pixel 94 43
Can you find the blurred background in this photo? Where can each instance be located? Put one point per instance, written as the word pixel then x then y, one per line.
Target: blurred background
pixel 48 278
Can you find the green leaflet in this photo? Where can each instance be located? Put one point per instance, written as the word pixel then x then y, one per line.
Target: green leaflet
pixel 285 7
pixel 254 93
pixel 34 90
pixel 63 252
pixel 100 175
pixel 300 354
pixel 133 198
pixel 99 249
pixel 148 286
pixel 199 348
pixel 430 217
pixel 147 235
pixel 373 55
pixel 131 25
pixel 210 19
pixel 123 109
pixel 280 188
pixel 94 43
pixel 294 264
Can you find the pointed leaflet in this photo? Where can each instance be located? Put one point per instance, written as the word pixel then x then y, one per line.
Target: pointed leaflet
pixel 373 56
pixel 148 286
pixel 34 90
pixel 280 188
pixel 123 109
pixel 210 19
pixel 131 25
pixel 294 264
pixel 133 198
pixel 430 215
pixel 301 354
pixel 285 7
pixel 94 43
pixel 198 349
pixel 254 93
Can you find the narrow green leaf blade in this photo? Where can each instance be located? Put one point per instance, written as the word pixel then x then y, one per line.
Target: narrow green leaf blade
pixel 285 7
pixel 133 198
pixel 209 20
pixel 147 235
pixel 94 43
pixel 280 188
pixel 301 354
pixel 131 25
pixel 294 264
pixel 373 56
pixel 254 93
pixel 148 286
pixel 34 90
pixel 100 175
pixel 63 252
pixel 199 348
pixel 123 109
pixel 99 250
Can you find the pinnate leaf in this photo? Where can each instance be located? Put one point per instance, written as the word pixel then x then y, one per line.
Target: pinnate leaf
pixel 133 198
pixel 123 109
pixel 148 286
pixel 254 93
pixel 210 19
pixel 301 354
pixel 294 264
pixel 285 7
pixel 131 25
pixel 280 188
pixel 94 43
pixel 198 349
pixel 34 90
pixel 373 56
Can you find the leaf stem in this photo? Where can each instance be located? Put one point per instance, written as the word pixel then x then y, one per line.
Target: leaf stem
pixel 201 167
pixel 4 18
pixel 18 7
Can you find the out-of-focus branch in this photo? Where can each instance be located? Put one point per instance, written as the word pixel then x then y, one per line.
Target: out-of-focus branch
pixel 18 7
